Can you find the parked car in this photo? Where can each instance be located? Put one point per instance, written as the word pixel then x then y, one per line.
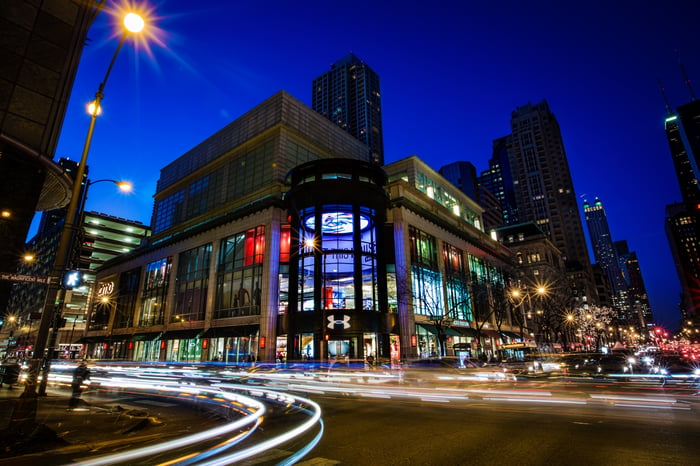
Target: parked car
pixel 454 369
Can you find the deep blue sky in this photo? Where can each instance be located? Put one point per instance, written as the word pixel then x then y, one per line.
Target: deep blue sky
pixel 451 74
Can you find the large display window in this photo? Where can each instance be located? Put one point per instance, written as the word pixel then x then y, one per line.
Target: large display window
pixel 341 241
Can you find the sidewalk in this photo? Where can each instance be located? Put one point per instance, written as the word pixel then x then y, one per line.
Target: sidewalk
pixel 97 423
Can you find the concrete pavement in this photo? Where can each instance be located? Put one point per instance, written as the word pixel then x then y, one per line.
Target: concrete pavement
pixel 102 422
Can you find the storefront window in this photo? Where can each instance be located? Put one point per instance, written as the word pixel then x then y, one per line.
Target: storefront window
pixel 192 284
pixel 335 243
pixel 155 289
pixel 239 275
pixel 126 298
pixel 458 302
pixel 427 292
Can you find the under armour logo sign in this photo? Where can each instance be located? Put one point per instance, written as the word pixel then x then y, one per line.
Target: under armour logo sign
pixel 333 322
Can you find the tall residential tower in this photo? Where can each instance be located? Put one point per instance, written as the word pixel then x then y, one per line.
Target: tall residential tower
pixel 544 190
pixel 348 95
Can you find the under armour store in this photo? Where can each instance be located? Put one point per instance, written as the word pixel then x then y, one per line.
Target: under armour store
pixel 338 305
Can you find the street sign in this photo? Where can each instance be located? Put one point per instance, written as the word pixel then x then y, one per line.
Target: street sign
pixel 16 277
pixel 434 317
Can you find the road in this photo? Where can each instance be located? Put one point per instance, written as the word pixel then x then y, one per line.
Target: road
pixel 371 417
pixel 403 432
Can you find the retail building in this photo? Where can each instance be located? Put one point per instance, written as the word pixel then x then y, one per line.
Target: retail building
pixel 276 239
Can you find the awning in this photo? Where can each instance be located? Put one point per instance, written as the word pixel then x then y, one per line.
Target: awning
pixel 465 331
pixel 445 330
pixel 490 333
pixel 87 340
pixel 231 331
pixel 146 336
pixel 188 334
pixel 510 334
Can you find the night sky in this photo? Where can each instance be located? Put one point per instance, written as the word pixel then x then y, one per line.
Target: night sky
pixel 451 74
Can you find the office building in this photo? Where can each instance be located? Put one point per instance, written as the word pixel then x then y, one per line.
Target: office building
pixel 349 96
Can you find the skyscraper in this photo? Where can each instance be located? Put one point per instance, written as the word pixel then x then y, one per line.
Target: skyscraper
pixel 499 181
pixel 683 218
pixel 606 257
pixel 603 246
pixel 544 190
pixel 636 289
pixel 683 134
pixel 348 95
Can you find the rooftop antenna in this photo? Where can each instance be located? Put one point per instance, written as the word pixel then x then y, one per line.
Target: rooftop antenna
pixel 685 76
pixel 669 110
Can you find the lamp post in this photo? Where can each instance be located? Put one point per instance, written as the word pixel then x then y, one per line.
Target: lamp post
pixel 53 304
pixel 520 296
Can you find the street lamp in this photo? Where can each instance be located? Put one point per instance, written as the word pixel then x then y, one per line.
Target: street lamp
pixel 520 296
pixel 54 295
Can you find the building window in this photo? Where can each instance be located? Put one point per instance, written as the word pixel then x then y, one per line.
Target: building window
pixel 239 274
pixel 155 289
pixel 345 241
pixel 192 284
pixel 423 250
pixel 169 212
pixel 126 298
pixel 458 301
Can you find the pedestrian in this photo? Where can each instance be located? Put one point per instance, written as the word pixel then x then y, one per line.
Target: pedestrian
pixel 80 374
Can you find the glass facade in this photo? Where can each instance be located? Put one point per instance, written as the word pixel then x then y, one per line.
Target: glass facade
pixel 192 284
pixel 344 248
pixel 126 298
pixel 155 290
pixel 239 274
pixel 458 296
pixel 440 193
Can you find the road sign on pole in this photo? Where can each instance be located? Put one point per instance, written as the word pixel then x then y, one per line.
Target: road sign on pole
pixel 16 277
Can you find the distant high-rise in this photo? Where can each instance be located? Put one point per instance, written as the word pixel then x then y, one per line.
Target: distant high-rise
pixel 544 190
pixel 603 246
pixel 606 257
pixel 499 181
pixel 462 174
pixel 348 95
pixel 636 289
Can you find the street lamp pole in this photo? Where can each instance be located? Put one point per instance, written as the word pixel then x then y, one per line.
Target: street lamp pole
pixel 55 294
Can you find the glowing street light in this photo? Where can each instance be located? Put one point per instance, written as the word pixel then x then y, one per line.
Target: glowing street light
pixel 55 297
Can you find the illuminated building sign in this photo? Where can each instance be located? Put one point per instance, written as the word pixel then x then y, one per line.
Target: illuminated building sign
pixel 105 289
pixel 338 321
pixel 336 223
pixel 72 279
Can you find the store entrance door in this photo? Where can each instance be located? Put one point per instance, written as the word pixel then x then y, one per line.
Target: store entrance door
pixel 339 350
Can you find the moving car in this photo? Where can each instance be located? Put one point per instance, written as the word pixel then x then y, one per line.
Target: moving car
pixel 453 369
